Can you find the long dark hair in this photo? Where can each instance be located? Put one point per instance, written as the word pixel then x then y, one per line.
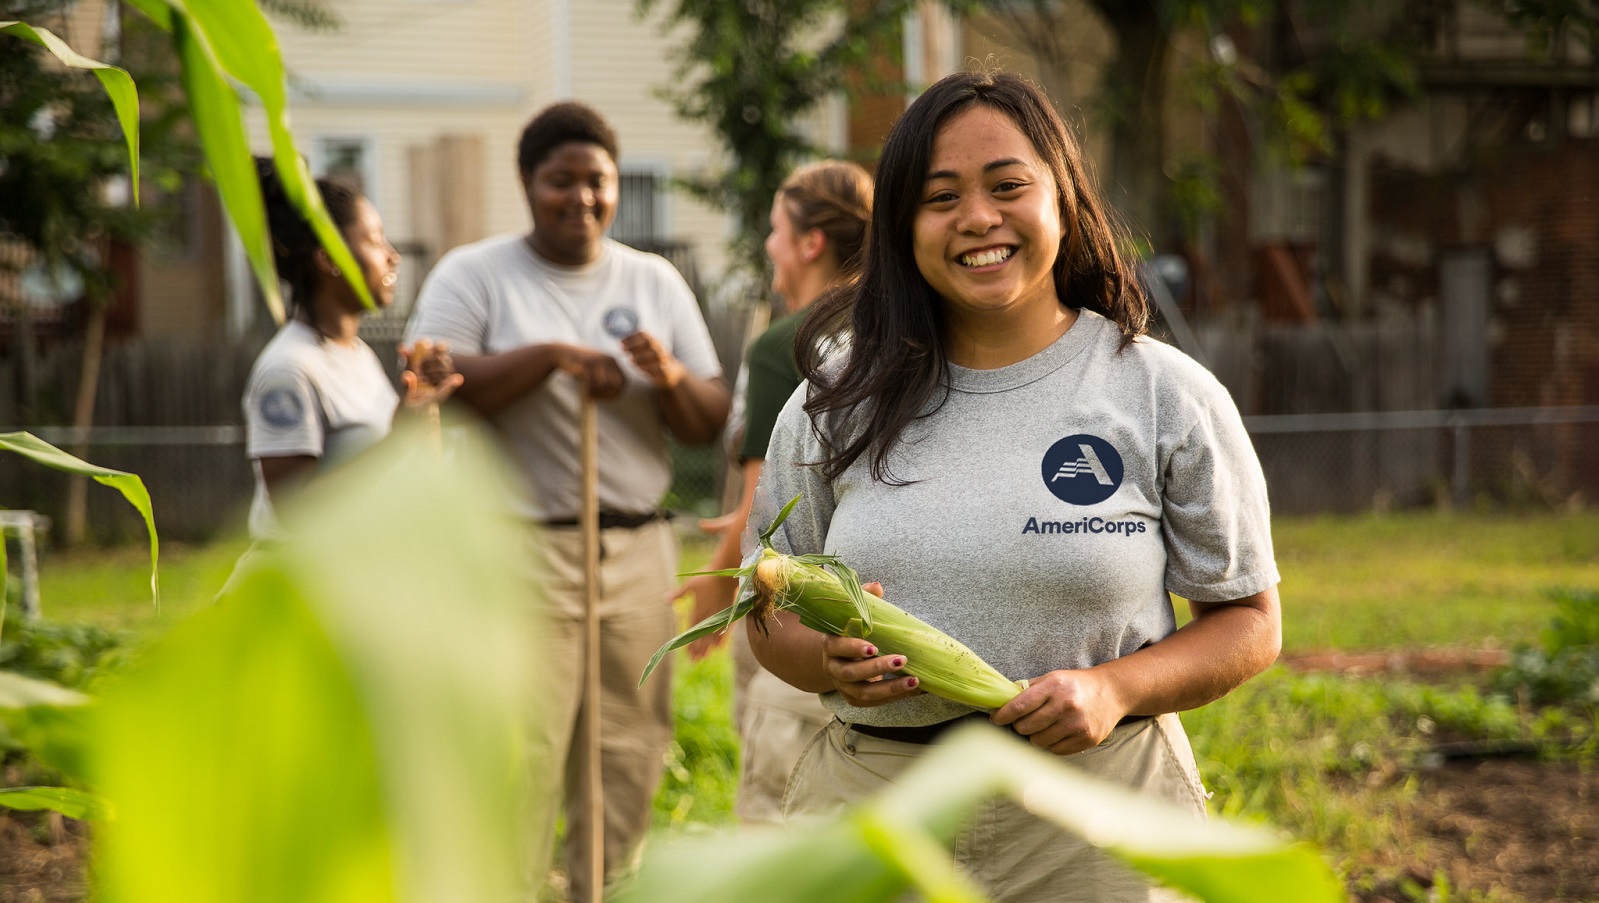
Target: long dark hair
pixel 294 244
pixel 896 364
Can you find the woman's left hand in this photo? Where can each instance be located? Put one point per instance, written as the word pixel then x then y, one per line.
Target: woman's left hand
pixel 430 375
pixel 1063 711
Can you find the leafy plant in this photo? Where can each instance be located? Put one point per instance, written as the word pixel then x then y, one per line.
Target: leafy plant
pixel 751 71
pixel 895 842
pixel 221 44
pixel 347 723
pixel 72 655
pixel 1565 668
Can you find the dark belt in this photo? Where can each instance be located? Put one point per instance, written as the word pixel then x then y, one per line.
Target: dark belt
pixel 611 520
pixel 927 733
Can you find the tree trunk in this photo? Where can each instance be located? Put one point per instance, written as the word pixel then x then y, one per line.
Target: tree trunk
pixel 77 512
pixel 1136 81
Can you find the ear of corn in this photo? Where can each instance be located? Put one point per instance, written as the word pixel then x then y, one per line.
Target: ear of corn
pixel 826 594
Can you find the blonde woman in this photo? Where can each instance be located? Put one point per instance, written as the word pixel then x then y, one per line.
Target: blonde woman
pixel 819 222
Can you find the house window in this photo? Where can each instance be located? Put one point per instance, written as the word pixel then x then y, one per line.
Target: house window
pixel 352 161
pixel 640 209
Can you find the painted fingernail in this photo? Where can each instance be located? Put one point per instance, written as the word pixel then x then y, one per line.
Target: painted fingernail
pixel 913 683
pixel 898 661
pixel 871 650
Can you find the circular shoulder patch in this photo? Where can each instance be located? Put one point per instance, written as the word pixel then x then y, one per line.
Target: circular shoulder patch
pixel 281 407
pixel 1082 469
pixel 620 322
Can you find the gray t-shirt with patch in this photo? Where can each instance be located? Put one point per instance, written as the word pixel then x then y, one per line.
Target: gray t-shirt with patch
pixel 496 295
pixel 311 396
pixel 1052 506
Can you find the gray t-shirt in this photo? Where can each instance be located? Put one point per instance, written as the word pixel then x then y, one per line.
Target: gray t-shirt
pixel 1054 503
pixel 310 396
pixel 497 295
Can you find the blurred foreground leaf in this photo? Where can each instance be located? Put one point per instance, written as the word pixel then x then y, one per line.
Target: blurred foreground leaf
pixel 345 725
pixel 65 800
pixel 841 859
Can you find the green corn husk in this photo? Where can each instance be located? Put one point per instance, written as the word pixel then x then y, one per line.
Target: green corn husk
pixel 827 596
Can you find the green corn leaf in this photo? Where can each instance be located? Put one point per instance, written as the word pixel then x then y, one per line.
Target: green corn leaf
pixel 219 121
pixel 241 41
pixel 771 529
pixel 348 722
pixel 118 86
pixel 131 487
pixel 72 803
pixel 220 43
pixel 713 624
pixel 868 853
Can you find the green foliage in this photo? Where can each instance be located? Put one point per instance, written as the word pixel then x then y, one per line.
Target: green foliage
pixel 896 840
pixel 751 70
pixel 1565 668
pixel 347 724
pixel 1335 759
pixel 1547 22
pixel 221 48
pixel 132 488
pixel 118 86
pixel 75 655
pixel 1428 578
pixel 65 136
pixel 702 762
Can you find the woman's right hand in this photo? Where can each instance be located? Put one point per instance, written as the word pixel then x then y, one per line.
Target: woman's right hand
pixel 859 670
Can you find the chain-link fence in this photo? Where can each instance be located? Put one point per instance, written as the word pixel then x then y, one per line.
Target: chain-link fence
pixel 1318 463
pixel 1314 463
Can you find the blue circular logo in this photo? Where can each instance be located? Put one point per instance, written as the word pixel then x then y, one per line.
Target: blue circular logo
pixel 620 322
pixel 281 407
pixel 1082 469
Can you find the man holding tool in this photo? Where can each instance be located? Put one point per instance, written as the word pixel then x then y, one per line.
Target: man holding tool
pixel 549 329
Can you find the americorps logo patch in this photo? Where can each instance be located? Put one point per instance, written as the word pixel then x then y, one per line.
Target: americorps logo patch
pixel 620 322
pixel 1082 469
pixel 281 407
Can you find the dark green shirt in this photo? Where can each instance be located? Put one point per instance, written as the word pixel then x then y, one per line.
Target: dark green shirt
pixel 773 377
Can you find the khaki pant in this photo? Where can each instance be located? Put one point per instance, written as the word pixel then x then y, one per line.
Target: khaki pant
pixel 775 724
pixel 1013 855
pixel 637 569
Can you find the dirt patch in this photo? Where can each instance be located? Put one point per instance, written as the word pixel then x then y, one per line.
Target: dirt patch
pixel 1421 662
pixel 1514 828
pixel 41 858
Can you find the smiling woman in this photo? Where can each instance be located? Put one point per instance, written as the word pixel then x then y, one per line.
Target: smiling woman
pixel 986 236
pixel 318 394
pixel 1005 453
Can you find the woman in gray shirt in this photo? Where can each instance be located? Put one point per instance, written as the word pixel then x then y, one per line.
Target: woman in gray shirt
pixel 1007 454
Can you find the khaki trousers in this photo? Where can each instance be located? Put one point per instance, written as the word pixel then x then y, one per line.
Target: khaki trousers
pixel 1013 855
pixel 775 724
pixel 637 570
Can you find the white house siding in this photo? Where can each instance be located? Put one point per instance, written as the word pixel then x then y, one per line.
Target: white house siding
pixel 619 63
pixel 404 73
pixel 401 74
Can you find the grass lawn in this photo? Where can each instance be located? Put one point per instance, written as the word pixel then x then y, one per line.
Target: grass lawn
pixel 1330 759
pixel 1428 579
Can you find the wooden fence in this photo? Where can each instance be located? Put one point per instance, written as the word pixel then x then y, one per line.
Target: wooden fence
pixel 201 482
